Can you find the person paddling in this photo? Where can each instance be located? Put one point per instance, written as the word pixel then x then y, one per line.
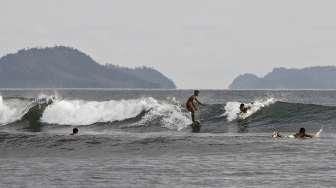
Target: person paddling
pixel 302 134
pixel 243 108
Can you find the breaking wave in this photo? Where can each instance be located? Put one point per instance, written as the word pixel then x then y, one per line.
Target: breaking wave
pixel 80 112
pixel 150 114
pixel 12 110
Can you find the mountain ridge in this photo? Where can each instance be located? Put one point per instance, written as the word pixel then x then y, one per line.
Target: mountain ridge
pixel 316 77
pixel 66 67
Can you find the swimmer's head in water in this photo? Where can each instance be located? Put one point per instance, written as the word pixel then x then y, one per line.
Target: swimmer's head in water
pixel 74 131
pixel 196 92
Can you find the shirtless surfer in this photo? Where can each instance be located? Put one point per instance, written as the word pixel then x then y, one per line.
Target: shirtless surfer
pixel 243 109
pixel 192 104
pixel 302 134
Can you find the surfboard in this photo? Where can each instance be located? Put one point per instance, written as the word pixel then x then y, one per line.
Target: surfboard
pixel 196 127
pixel 291 136
pixel 317 135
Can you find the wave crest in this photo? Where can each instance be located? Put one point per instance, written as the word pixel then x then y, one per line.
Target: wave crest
pixel 80 112
pixel 12 110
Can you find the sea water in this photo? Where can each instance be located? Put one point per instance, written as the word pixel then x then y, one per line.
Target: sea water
pixel 142 138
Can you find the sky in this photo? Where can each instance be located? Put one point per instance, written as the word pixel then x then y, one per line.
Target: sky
pixel 200 44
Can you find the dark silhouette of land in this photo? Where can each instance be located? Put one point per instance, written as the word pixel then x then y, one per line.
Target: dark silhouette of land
pixel 321 77
pixel 64 67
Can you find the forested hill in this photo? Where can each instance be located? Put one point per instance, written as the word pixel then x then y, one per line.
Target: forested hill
pixel 64 67
pixel 322 77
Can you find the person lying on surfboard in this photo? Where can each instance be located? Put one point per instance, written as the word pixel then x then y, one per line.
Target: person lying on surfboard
pixel 192 104
pixel 243 109
pixel 302 134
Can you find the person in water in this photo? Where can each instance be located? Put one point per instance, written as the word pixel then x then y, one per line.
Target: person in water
pixel 192 104
pixel 276 134
pixel 74 131
pixel 302 134
pixel 243 109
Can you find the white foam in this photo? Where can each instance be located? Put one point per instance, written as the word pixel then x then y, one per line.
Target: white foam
pixel 318 134
pixel 80 112
pixel 170 115
pixel 232 110
pixel 12 110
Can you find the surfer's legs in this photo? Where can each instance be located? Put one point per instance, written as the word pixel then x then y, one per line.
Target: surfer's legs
pixel 193 116
pixel 191 109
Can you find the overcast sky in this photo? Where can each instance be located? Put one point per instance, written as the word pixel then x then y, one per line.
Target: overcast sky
pixel 199 44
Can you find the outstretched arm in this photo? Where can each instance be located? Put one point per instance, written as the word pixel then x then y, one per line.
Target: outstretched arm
pixel 199 102
pixel 309 136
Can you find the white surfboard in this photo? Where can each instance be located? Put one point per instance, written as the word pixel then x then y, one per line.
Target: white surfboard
pixel 318 134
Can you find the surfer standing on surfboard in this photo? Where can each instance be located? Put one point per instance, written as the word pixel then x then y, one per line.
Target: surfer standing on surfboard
pixel 192 104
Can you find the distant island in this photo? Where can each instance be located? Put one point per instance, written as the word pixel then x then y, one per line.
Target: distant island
pixel 321 77
pixel 64 67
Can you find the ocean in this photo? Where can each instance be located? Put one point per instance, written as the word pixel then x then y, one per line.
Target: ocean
pixel 143 138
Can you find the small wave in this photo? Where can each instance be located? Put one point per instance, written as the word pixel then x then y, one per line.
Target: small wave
pixel 232 110
pixel 80 112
